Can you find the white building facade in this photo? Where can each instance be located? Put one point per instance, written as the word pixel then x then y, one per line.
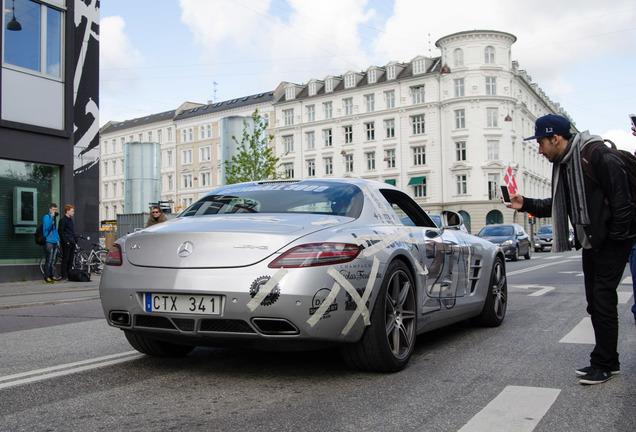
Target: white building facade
pixel 443 129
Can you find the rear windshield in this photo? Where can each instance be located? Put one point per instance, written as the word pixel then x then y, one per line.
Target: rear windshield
pixel 337 199
pixel 547 229
pixel 496 231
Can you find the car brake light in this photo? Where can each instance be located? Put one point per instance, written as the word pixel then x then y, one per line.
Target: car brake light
pixel 114 256
pixel 317 254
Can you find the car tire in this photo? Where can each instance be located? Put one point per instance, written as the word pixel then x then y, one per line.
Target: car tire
pixel 388 342
pixel 495 305
pixel 528 255
pixel 156 348
pixel 537 249
pixel 515 254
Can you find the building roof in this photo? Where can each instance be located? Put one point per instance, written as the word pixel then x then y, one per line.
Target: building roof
pixel 113 127
pixel 226 105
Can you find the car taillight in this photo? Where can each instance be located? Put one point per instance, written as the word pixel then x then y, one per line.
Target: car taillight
pixel 317 254
pixel 114 257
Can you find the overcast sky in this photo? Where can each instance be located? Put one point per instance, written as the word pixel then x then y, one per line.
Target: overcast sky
pixel 157 54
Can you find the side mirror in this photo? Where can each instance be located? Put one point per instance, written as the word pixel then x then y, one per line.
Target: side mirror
pixel 451 219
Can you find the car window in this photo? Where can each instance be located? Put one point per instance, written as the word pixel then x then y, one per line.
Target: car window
pixel 338 199
pixel 496 231
pixel 546 229
pixel 409 212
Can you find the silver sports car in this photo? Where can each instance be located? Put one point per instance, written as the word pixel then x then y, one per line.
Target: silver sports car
pixel 300 264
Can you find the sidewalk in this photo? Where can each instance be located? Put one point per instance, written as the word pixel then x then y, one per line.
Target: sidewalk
pixel 38 293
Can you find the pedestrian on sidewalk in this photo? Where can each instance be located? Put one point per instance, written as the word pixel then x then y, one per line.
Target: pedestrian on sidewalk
pixel 67 239
pixel 49 228
pixel 602 215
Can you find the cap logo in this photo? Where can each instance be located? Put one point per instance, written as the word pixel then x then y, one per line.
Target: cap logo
pixel 548 130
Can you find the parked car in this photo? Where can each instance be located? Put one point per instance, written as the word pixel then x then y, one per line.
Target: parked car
pixel 300 264
pixel 543 239
pixel 512 239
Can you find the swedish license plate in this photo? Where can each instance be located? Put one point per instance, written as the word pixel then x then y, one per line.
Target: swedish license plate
pixel 183 303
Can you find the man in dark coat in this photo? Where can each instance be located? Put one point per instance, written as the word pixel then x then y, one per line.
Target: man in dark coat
pixel 602 215
pixel 68 240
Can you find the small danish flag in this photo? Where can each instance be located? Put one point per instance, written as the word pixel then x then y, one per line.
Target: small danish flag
pixel 509 180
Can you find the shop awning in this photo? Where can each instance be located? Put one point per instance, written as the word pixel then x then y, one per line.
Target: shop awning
pixel 390 181
pixel 416 180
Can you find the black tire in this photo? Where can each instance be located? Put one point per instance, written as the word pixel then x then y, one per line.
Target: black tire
pixel 537 249
pixel 515 255
pixel 98 260
pixel 494 310
pixel 388 342
pixel 528 254
pixel 57 266
pixel 147 345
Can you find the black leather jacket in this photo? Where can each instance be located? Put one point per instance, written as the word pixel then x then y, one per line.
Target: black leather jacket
pixel 609 202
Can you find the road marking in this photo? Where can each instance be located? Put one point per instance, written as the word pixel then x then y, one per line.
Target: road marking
pixel 516 409
pixel 66 369
pixel 583 333
pixel 537 267
pixel 627 280
pixel 540 289
pixel 624 297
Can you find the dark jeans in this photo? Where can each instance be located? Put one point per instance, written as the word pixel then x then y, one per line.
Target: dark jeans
pixel 50 249
pixel 632 268
pixel 603 270
pixel 67 258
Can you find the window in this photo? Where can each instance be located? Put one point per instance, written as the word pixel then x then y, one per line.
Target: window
pixel 311 113
pixel 419 66
pixel 310 138
pixel 209 129
pixel 390 72
pixel 370 158
pixel 288 169
pixel 311 168
pixel 327 106
pixel 141 137
pixel 493 186
pixel 327 137
pixel 348 106
pixel 459 87
pixel 349 163
pixel 186 180
pixel 206 178
pixel 489 55
pixel 169 157
pixel 288 143
pixel 370 102
pixel 149 138
pixel 288 115
pixel 372 76
pixel 159 136
pixel 38 46
pixel 390 98
pixel 329 85
pixel 106 168
pixel 389 127
pixel 461 184
pixel 389 157
pixel 348 134
pixel 419 155
pixel 350 81
pixel 201 132
pixel 370 130
pixel 312 89
pixel 491 86
pixel 186 156
pixel 169 134
pixel 460 119
pixel 458 57
pixel 417 94
pixel 460 150
pixel 493 149
pixel 417 122
pixel 122 140
pixel 491 117
pixel 170 182
pixel 290 93
pixel 328 161
pixel 419 190
pixel 204 154
pixel 190 134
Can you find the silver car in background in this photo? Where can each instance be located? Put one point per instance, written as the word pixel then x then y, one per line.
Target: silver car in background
pixel 301 264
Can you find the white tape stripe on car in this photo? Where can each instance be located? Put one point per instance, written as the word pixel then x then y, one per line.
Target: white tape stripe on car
pixel 266 289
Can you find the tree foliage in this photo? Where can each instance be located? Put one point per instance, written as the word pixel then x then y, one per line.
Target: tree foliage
pixel 255 159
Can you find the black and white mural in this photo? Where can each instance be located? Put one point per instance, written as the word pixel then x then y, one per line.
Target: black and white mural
pixel 86 115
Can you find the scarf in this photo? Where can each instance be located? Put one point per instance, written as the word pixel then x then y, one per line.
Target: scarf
pixel 570 163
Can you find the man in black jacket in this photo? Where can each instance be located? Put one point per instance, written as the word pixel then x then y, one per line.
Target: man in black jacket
pixel 602 215
pixel 67 238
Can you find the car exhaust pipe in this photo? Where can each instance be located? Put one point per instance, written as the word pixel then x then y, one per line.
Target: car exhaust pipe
pixel 119 318
pixel 275 326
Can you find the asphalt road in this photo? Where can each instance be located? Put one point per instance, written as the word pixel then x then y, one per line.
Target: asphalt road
pixel 63 368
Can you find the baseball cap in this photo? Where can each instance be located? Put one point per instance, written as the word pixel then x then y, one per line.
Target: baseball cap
pixel 549 125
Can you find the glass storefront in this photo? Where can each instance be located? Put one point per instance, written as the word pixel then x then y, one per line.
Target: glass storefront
pixel 26 191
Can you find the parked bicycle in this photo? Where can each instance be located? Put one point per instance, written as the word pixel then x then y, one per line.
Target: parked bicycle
pixel 94 261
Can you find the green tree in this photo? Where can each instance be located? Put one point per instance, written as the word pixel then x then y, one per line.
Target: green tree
pixel 255 159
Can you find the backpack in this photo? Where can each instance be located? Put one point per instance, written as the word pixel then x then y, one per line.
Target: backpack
pixel 39 236
pixel 629 160
pixel 76 275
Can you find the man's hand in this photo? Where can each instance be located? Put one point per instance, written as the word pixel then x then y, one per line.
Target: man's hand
pixel 516 202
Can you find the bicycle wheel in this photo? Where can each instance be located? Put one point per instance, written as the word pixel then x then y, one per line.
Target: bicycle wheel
pixel 80 261
pixel 98 258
